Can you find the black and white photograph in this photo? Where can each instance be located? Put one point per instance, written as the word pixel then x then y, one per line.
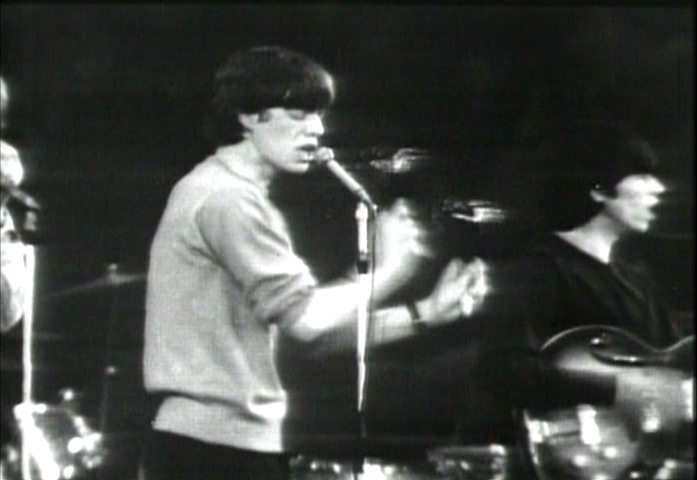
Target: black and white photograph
pixel 348 241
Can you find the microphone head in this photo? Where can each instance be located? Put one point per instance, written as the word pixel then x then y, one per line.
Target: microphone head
pixel 323 155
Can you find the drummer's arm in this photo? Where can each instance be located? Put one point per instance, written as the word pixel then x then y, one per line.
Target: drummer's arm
pixel 12 273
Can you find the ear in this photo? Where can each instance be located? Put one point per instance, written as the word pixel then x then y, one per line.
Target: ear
pixel 248 120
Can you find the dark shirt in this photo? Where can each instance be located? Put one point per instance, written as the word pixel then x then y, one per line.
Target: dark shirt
pixel 557 287
pixel 571 288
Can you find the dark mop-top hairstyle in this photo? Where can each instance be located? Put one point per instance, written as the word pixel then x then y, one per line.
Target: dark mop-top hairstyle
pixel 258 78
pixel 590 155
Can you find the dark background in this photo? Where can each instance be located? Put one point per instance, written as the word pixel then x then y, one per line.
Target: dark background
pixel 107 104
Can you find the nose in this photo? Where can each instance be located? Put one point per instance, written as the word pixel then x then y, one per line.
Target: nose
pixel 314 125
pixel 656 186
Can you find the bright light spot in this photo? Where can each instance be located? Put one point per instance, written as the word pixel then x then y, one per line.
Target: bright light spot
pixel 535 431
pixel 590 432
pixel 76 444
pixel 68 394
pixel 69 472
pixel 651 424
pixel 92 441
pixel 610 452
pixel 40 450
pixel 51 472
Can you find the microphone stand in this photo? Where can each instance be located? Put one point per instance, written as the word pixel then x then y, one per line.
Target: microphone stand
pixel 26 417
pixel 364 287
pixel 365 281
pixel 365 206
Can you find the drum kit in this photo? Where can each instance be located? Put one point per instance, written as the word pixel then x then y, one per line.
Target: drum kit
pixel 60 441
pixel 450 462
pixel 57 441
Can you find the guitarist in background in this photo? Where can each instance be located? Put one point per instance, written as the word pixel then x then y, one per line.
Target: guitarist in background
pixel 602 190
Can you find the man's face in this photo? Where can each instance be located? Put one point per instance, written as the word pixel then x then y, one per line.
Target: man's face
pixel 287 138
pixel 632 205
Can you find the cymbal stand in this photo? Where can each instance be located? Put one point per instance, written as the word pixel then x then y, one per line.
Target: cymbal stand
pixel 109 370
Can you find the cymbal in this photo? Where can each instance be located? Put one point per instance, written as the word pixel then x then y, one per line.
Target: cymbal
pixel 474 210
pixel 382 160
pixel 404 160
pixel 111 279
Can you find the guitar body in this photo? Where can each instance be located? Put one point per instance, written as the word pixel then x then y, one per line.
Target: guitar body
pixel 647 424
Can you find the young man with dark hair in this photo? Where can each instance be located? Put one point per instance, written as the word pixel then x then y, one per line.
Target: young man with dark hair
pixel 603 187
pixel 224 280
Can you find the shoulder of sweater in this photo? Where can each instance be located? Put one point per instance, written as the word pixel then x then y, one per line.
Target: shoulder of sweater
pixel 211 179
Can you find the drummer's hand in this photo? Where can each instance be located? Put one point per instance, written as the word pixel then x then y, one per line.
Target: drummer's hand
pixel 403 242
pixel 459 291
pixel 14 272
pixel 12 250
pixel 11 171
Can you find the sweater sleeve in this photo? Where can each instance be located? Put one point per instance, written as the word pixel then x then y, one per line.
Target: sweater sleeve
pixel 248 237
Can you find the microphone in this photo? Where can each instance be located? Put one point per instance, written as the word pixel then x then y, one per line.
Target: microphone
pixel 325 156
pixel 23 198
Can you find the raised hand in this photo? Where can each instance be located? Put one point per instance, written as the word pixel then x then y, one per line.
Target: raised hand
pixel 476 288
pixel 460 289
pixel 403 242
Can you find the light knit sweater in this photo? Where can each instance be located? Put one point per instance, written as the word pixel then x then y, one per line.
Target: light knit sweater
pixel 222 277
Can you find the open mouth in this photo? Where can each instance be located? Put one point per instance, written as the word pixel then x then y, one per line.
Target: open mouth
pixel 308 152
pixel 309 148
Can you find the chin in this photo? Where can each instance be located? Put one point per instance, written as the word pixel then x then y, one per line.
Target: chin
pixel 299 169
pixel 641 227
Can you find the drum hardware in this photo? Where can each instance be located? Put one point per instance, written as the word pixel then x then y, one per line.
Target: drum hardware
pixel 675 470
pixel 305 467
pixel 111 278
pixel 59 442
pixel 475 462
pixel 89 447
